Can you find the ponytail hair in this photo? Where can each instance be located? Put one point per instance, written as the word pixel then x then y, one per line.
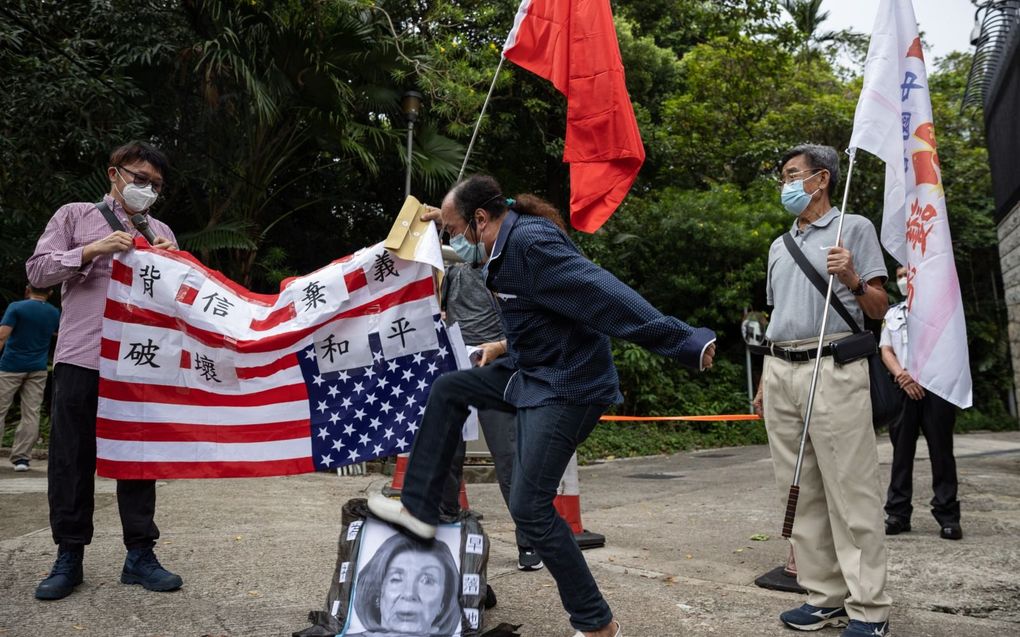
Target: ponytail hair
pixel 483 191
pixel 528 204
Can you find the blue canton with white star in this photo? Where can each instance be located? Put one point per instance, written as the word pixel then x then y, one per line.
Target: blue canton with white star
pixel 371 412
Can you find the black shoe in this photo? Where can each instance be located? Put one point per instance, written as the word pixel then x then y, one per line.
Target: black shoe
pixel 490 598
pixel 142 567
pixel 951 531
pixel 895 526
pixel 65 575
pixel 528 559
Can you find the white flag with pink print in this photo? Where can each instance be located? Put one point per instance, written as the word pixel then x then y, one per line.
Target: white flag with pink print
pixel 894 122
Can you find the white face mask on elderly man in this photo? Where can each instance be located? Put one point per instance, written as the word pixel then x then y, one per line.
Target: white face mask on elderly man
pixel 901 283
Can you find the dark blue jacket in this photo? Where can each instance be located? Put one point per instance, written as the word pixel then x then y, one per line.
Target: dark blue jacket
pixel 559 310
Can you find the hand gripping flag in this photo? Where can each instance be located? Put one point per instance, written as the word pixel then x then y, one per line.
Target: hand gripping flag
pixel 200 378
pixel 572 43
pixel 894 122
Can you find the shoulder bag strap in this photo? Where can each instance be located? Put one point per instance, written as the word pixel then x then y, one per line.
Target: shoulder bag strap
pixel 110 217
pixel 817 280
pixel 444 290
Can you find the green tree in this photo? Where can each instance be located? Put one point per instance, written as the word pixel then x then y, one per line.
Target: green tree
pixel 64 103
pixel 286 140
pixel 808 17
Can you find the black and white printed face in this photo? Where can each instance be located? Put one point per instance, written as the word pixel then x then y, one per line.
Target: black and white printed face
pixel 412 593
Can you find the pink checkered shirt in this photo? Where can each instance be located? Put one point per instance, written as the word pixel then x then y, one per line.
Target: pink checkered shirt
pixel 57 259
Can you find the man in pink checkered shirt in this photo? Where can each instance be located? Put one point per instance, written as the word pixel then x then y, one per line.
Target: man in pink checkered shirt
pixel 76 251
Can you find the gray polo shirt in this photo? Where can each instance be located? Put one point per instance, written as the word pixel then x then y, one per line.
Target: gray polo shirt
pixel 797 304
pixel 467 301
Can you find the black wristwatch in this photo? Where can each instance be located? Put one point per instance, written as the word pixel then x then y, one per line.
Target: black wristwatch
pixel 860 289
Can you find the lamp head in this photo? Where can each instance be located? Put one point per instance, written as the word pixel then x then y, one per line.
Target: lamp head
pixel 410 103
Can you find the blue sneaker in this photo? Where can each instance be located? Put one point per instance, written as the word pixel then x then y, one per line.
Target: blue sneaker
pixel 858 628
pixel 142 567
pixel 809 617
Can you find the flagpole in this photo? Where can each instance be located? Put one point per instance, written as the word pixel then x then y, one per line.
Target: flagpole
pixel 478 124
pixel 791 502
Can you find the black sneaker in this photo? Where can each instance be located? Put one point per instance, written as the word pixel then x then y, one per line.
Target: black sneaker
pixel 21 465
pixel 65 575
pixel 142 567
pixel 951 531
pixel 528 559
pixel 895 526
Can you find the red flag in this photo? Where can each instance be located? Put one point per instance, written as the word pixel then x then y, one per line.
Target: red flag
pixel 572 43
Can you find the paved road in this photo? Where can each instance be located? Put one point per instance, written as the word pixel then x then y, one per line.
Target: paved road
pixel 257 555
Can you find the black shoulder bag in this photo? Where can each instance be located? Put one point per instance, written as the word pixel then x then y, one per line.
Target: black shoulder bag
pixel 110 217
pixel 887 399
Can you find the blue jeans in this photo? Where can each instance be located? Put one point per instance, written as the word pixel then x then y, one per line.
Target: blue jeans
pixel 547 437
pixel 500 429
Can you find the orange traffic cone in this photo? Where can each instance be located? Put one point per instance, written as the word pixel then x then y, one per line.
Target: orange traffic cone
pixel 568 505
pixel 463 496
pixel 393 491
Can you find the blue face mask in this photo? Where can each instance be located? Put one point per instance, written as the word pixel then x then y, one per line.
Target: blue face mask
pixel 473 253
pixel 794 199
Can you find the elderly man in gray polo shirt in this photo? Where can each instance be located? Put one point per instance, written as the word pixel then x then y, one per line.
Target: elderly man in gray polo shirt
pixel 838 537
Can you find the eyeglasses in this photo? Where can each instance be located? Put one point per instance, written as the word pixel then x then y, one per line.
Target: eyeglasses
pixel 141 180
pixel 796 175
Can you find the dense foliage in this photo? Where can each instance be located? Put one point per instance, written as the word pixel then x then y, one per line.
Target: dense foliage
pixel 284 130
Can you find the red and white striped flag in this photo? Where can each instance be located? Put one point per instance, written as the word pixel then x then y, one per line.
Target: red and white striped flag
pixel 894 121
pixel 200 378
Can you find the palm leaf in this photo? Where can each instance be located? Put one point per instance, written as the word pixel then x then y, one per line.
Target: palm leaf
pixel 228 235
pixel 437 159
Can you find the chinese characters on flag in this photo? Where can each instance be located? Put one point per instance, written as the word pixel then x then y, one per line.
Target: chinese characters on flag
pixel 200 378
pixel 894 121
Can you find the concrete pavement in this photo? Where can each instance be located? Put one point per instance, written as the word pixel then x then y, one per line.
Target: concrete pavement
pixel 257 555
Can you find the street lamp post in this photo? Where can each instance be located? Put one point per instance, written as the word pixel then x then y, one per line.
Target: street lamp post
pixel 410 104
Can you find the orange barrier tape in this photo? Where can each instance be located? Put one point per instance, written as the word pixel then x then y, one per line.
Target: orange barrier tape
pixel 718 418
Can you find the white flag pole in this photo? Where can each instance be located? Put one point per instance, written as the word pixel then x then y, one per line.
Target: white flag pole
pixel 791 502
pixel 478 124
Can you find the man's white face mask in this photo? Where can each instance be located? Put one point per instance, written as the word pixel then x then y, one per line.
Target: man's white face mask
pixel 136 198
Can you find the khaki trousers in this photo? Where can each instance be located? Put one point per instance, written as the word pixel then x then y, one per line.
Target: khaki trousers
pixel 31 385
pixel 838 534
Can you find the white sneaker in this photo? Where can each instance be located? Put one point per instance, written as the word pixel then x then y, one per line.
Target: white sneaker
pixel 393 511
pixel 618 633
pixel 21 465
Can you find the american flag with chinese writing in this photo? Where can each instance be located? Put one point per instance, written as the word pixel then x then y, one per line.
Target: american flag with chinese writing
pixel 200 378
